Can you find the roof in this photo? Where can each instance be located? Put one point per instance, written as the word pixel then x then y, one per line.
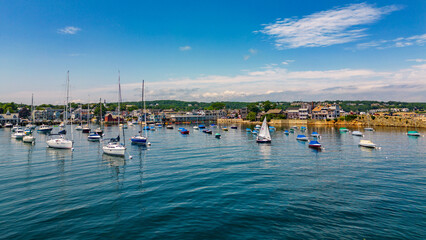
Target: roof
pixel 317 109
pixel 275 111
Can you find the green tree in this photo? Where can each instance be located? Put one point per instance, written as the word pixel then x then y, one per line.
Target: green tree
pixel 252 107
pixel 216 106
pixel 251 116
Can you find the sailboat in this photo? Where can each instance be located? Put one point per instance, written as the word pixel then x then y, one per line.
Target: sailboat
pixel 79 127
pixel 99 130
pixel 264 136
pixel 62 142
pixel 29 138
pixel 139 139
pixel 86 128
pixel 114 146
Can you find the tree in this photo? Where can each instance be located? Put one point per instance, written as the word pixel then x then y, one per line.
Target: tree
pixel 216 106
pixel 24 113
pixel 97 111
pixel 267 105
pixel 252 107
pixel 251 116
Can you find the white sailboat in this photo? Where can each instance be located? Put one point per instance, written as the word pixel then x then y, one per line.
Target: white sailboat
pixel 114 146
pixel 61 142
pixel 264 136
pixel 140 139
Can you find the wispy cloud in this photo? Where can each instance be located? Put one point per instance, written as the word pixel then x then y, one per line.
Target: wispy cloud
pixel 419 60
pixel 325 28
pixel 286 62
pixel 252 52
pixel 185 48
pixel 70 30
pixel 416 40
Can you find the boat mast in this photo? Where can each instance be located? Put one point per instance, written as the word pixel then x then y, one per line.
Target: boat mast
pixel 143 109
pixel 100 112
pixel 88 113
pixel 119 110
pixel 68 93
pixel 32 108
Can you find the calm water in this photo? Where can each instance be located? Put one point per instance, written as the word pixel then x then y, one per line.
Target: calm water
pixel 199 187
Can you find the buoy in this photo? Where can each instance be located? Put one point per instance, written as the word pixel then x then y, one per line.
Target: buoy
pixel 149 144
pixel 130 157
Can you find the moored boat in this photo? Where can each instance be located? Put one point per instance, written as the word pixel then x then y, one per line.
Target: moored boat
pixel 169 127
pixel 44 129
pixel 367 143
pixel 217 135
pixel 357 133
pixel 94 137
pixel 286 132
pixel 369 129
pixel 28 139
pixel 208 131
pixel 413 133
pixel 314 144
pixel 19 134
pixel 302 137
pixel 315 134
pixel 343 129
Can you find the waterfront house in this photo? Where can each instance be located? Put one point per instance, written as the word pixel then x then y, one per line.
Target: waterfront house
pixel 292 113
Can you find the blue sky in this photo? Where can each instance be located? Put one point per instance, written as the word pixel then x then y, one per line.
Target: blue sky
pixel 213 50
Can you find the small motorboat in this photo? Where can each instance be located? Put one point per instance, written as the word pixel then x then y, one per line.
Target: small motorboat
pixel 19 134
pixel 343 129
pixel 79 128
pixel 93 137
pixel 14 128
pixel 302 128
pixel 146 128
pixel 286 132
pixel 225 129
pixel 201 126
pixel 8 125
pixel 217 135
pixel 208 131
pixel 294 127
pixel 44 129
pixel 99 131
pixel 28 139
pixel 302 137
pixel 139 140
pixel 315 134
pixel 367 143
pixel 86 129
pixel 413 133
pixel 369 129
pixel 169 126
pixel 292 130
pixel 314 144
pixel 184 131
pixel 195 127
pixel 234 127
pixel 152 128
pixel 357 133
pixel 248 129
pixel 257 127
pixel 272 128
pixel 63 132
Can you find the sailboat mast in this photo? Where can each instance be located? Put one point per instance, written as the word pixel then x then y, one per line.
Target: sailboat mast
pixel 100 111
pixel 32 107
pixel 143 111
pixel 68 93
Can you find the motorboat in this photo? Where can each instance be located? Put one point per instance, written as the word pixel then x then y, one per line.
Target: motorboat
pixel 8 125
pixel 234 127
pixel 169 127
pixel 59 142
pixel 272 128
pixel 413 133
pixel 62 124
pixel 315 134
pixel 286 132
pixel 302 137
pixel 99 131
pixel 367 143
pixel 357 133
pixel 28 139
pixel 31 126
pixel 79 128
pixel 93 137
pixel 201 126
pixel 86 129
pixel 225 129
pixel 302 128
pixel 343 129
pixel 257 127
pixel 217 135
pixel 248 130
pixel 44 129
pixel 369 129
pixel 314 144
pixel 183 131
pixel 264 136
pixel 14 128
pixel 19 134
pixel 195 127
pixel 138 140
pixel 208 131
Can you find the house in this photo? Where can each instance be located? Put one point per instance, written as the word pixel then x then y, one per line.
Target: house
pixel 292 113
pixel 275 112
pixel 329 111
pixel 9 118
pixel 112 119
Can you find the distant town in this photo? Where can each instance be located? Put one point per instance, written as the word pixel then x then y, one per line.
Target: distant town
pixel 170 111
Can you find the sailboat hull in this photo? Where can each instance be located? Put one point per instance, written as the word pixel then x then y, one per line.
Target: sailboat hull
pixel 137 140
pixel 263 141
pixel 114 151
pixel 59 143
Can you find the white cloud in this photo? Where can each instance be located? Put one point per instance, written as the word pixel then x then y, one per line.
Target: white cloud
pixel 252 51
pixel 246 57
pixel 325 28
pixel 185 48
pixel 416 40
pixel 419 60
pixel 286 62
pixel 70 30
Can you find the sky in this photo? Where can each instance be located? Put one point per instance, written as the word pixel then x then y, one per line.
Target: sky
pixel 213 50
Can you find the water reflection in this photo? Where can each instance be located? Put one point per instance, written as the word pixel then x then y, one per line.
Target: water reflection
pixel 265 150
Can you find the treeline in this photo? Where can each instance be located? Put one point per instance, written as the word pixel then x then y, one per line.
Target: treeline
pixel 348 106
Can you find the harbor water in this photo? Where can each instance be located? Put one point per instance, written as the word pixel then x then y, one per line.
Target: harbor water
pixel 199 187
